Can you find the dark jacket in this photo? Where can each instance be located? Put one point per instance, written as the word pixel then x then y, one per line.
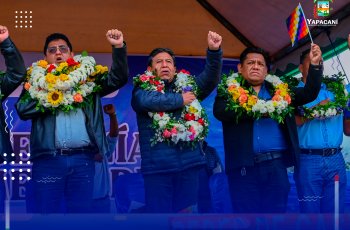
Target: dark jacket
pixel 42 136
pixel 14 76
pixel 238 138
pixel 162 158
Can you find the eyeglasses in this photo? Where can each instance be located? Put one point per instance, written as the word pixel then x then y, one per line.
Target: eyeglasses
pixel 53 49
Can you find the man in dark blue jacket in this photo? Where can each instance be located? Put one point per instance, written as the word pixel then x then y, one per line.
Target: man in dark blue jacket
pixel 170 172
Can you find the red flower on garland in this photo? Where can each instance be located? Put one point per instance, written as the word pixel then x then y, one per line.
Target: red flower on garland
pixel 184 71
pixel 51 67
pixel 190 118
pixel 71 62
pixel 161 113
pixel 200 121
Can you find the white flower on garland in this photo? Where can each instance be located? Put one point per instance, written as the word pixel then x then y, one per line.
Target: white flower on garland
pixel 273 79
pixel 192 125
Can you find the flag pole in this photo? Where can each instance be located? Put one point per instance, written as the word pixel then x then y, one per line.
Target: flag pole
pixel 306 23
pixel 336 54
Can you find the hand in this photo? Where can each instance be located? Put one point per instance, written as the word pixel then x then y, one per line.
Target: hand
pixel 4 33
pixel 214 40
pixel 315 54
pixel 188 97
pixel 98 157
pixel 321 103
pixel 115 37
pixel 324 101
pixel 109 109
pixel 349 41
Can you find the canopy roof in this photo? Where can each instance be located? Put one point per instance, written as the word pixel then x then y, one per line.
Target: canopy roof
pixel 181 25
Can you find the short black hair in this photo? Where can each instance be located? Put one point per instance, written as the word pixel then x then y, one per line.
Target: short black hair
pixel 303 55
pixel 255 50
pixel 57 36
pixel 160 50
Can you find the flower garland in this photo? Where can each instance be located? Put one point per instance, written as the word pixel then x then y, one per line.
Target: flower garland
pixel 245 100
pixel 193 123
pixel 336 108
pixel 66 86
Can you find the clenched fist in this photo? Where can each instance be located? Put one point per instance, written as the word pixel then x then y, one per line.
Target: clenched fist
pixel 115 37
pixel 214 40
pixel 4 33
pixel 188 97
pixel 315 54
pixel 109 109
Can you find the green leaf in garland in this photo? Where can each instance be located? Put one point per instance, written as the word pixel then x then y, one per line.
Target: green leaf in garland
pixel 84 54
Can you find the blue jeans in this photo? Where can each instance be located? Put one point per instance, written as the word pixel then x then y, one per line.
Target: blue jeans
pixel 56 175
pixel 315 183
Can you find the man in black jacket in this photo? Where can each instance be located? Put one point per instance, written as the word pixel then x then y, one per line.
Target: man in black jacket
pixel 257 152
pixel 9 81
pixel 63 146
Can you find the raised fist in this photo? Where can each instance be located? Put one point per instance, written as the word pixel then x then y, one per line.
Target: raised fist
pixel 315 54
pixel 214 40
pixel 115 37
pixel 109 109
pixel 4 33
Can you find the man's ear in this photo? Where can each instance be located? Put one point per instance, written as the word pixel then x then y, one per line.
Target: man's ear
pixel 265 70
pixel 175 69
pixel 239 68
pixel 45 58
pixel 72 54
pixel 149 68
pixel 301 68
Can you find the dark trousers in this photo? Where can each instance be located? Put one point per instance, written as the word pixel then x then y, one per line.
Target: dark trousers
pixel 102 205
pixel 262 188
pixel 171 192
pixel 204 197
pixel 72 176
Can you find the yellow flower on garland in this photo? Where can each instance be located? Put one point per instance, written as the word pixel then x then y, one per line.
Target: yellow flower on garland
pixel 55 98
pixel 29 72
pixel 64 77
pixel 104 69
pixel 50 86
pixel 51 78
pixel 91 78
pixel 62 65
pixel 42 63
pixel 193 109
pixel 98 69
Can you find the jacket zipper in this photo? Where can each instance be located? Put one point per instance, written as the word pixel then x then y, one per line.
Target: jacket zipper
pixel 92 130
pixel 170 90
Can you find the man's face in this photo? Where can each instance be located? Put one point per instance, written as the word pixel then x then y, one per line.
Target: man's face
pixel 253 69
pixel 164 65
pixel 304 68
pixel 61 55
